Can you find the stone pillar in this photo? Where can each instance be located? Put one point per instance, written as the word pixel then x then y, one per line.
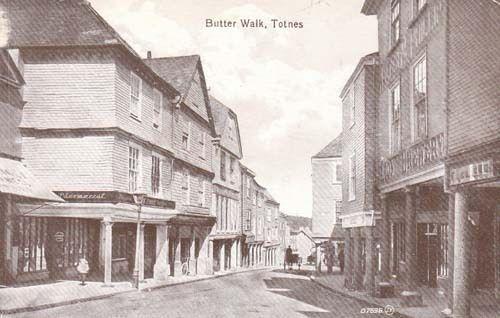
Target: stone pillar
pixel 370 261
pixel 234 254
pixel 222 255
pixel 192 253
pixel 386 240
pixel 451 231
pixel 141 252
pixel 161 269
pixel 108 257
pixel 177 253
pixel 461 261
pixel 348 259
pixel 410 297
pixel 252 255
pixel 318 258
pixel 357 270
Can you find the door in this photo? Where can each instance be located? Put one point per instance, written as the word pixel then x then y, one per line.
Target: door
pixel 427 253
pixel 149 250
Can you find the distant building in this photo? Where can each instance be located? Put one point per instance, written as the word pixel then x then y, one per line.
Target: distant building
pixel 327 189
pixel 302 243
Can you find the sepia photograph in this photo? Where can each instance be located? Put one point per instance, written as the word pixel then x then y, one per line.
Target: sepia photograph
pixel 250 158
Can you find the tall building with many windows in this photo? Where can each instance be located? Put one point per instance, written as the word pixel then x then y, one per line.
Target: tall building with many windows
pixel 359 156
pixel 437 130
pixel 226 197
pixel 100 126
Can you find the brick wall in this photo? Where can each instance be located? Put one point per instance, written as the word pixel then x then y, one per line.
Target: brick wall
pixel 474 74
pixel 360 139
pixel 325 192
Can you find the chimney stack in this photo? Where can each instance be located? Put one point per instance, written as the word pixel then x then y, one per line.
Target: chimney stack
pixel 149 55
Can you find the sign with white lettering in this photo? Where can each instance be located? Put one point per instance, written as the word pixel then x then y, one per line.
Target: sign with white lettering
pixel 413 159
pixel 474 172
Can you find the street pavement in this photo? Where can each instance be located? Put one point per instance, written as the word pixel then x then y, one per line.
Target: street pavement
pixel 251 294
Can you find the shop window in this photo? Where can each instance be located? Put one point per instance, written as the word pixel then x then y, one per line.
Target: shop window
pixel 442 265
pixel 420 98
pixel 398 246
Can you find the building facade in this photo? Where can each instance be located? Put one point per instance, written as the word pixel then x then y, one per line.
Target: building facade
pixel 360 216
pixel 327 195
pixel 19 257
pixel 99 126
pixel 272 246
pixel 437 134
pixel 226 204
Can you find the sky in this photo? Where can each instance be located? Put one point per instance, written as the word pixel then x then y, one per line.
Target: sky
pixel 284 84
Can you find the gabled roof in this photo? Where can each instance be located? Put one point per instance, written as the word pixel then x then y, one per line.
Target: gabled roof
pixel 9 72
pixel 269 197
pixel 178 70
pixel 54 23
pixel 370 7
pixel 297 222
pixel 222 114
pixel 370 59
pixel 332 150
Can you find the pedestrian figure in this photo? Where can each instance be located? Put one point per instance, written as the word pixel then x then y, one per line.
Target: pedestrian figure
pixel 288 257
pixel 341 259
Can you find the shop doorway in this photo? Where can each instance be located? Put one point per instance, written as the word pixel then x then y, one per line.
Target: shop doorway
pixel 432 250
pixel 149 250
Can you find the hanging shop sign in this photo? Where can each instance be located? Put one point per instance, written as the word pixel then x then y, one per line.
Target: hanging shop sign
pixel 414 159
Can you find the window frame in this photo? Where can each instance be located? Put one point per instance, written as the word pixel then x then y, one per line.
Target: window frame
pixel 186 135
pixel 157 114
pixel 203 143
pixel 395 147
pixel 159 191
pixel 138 173
pixel 352 177
pixel 352 105
pixel 201 192
pixel 395 35
pixel 223 169
pixel 138 98
pixel 419 101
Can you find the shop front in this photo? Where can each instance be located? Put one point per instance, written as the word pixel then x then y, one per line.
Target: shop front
pixel 102 227
pixel 23 241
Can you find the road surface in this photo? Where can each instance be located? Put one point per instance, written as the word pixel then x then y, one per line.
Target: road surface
pixel 250 294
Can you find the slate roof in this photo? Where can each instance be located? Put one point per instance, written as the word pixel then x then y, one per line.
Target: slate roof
pixel 38 23
pixel 297 222
pixel 333 149
pixel 268 196
pixel 178 71
pixel 220 113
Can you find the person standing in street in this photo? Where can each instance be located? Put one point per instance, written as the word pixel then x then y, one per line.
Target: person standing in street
pixel 288 257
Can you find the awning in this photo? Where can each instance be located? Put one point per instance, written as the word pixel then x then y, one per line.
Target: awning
pixel 16 179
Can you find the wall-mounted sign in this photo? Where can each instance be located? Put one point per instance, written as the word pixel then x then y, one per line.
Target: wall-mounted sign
pixel 59 237
pixel 360 219
pixel 111 197
pixel 413 159
pixel 473 172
